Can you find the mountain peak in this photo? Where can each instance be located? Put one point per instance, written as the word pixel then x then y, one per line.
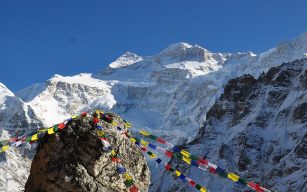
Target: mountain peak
pixel 127 58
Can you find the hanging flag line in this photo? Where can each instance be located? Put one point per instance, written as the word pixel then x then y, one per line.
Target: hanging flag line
pixel 33 137
pixel 185 155
pixel 202 163
pixel 97 117
pixel 30 138
pixel 167 166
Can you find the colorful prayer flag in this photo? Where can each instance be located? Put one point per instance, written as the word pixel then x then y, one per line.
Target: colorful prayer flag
pixel 144 133
pixel 185 153
pixel 233 177
pixel 187 160
pixel 34 137
pixel 50 131
pixel 4 148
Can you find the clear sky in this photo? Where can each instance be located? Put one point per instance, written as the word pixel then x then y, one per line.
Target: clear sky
pixel 40 38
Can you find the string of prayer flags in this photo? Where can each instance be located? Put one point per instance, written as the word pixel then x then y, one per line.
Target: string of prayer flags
pixel 204 164
pixel 120 168
pixel 179 174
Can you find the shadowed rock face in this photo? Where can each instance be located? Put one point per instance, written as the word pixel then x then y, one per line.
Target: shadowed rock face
pixel 257 129
pixel 74 160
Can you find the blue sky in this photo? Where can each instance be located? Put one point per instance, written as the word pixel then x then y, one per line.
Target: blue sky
pixel 41 38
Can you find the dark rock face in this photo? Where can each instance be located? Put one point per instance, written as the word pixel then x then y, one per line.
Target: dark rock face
pixel 257 130
pixel 74 160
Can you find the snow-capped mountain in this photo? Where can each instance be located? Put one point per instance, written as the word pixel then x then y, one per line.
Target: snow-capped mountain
pixel 169 93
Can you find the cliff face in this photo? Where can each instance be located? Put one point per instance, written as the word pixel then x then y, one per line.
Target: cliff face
pixel 75 160
pixel 257 129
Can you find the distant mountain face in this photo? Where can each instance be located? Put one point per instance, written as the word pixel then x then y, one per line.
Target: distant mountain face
pixel 256 129
pixel 169 93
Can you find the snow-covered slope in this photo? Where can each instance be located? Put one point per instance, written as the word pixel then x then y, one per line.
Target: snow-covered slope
pixel 15 118
pixel 169 93
pixel 257 129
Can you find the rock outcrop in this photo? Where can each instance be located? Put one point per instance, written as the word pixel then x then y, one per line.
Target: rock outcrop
pixel 74 160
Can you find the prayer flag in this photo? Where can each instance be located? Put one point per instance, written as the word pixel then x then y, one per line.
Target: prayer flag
pixel 185 153
pixel 152 146
pixel 127 176
pixel 198 186
pixel 132 140
pixel 34 137
pixel 177 173
pixel 128 183
pixel 144 143
pixel 182 177
pixel 133 189
pixel 160 140
pixel 50 131
pixel 169 153
pixel 242 181
pixel 187 160
pixel 4 148
pixel 145 133
pixel 168 167
pixel 202 189
pixel 61 125
pixel 192 183
pixel 158 160
pixel 233 177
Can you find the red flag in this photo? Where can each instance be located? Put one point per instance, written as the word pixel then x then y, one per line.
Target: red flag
pixel 114 159
pixel 133 189
pixel 168 167
pixel 61 126
pixel 202 161
pixel 212 170
pixel 169 153
pixel 143 149
pixel 95 120
pixel 160 140
pixel 192 183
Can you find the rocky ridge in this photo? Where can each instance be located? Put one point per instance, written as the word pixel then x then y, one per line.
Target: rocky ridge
pixel 75 160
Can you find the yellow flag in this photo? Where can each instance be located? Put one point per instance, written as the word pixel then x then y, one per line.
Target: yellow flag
pixel 4 148
pixel 113 152
pixel 114 123
pixel 144 143
pixel 128 125
pixel 202 189
pixel 233 177
pixel 145 133
pixel 50 131
pixel 132 140
pixel 153 156
pixel 42 130
pixel 74 116
pixel 127 176
pixel 188 160
pixel 185 153
pixel 34 137
pixel 177 173
pixel 100 133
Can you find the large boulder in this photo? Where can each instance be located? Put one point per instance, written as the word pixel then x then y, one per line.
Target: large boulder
pixel 75 159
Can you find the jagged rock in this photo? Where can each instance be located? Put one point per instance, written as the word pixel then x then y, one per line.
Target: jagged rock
pixel 257 129
pixel 74 160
